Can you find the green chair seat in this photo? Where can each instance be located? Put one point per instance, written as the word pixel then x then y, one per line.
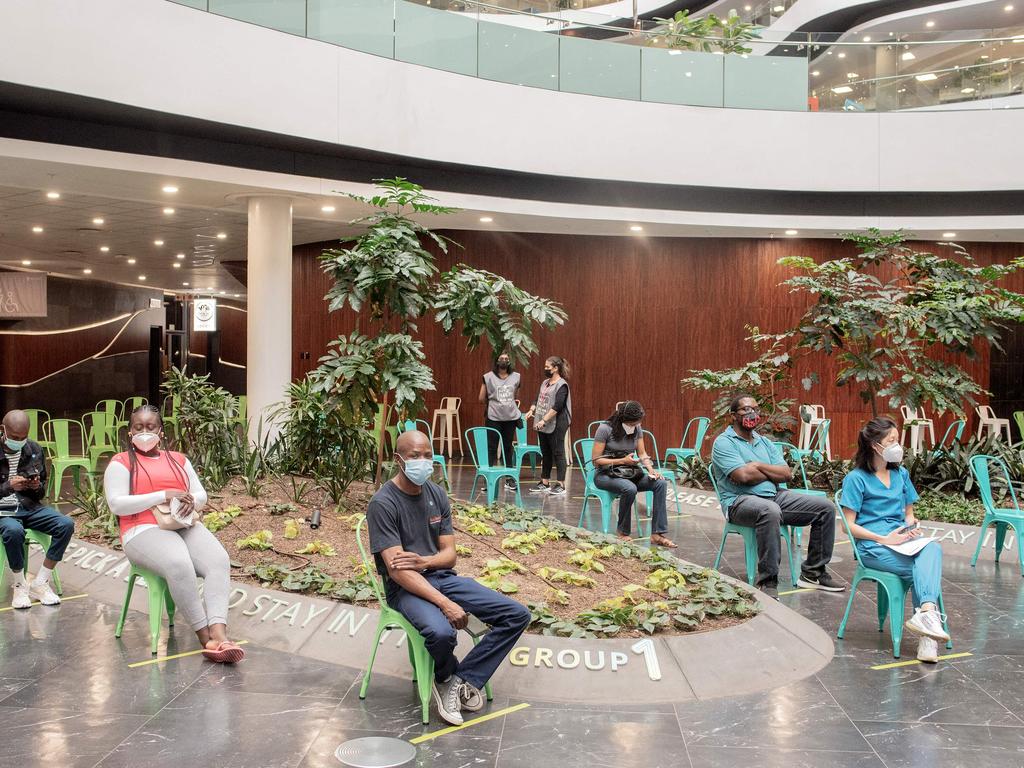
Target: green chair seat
pixel 1001 518
pixel 159 600
pixel 43 540
pixel 892 593
pixel 420 660
pixel 477 438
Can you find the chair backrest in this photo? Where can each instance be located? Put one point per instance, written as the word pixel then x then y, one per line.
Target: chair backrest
pixel 130 405
pixel 819 440
pixel 476 438
pixel 701 425
pixel 243 408
pixel 652 447
pixel 592 427
pixel 846 527
pixel 58 432
pixel 583 449
pixel 450 403
pixel 37 419
pixel 908 415
pixel 522 433
pixel 370 565
pixel 956 427
pixel 420 425
pixel 796 455
pixel 985 412
pixel 980 464
pixel 714 484
pixel 111 407
pixel 99 426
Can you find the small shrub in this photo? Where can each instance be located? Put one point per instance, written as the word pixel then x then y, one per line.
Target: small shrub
pixel 317 547
pixel 261 540
pixel 291 528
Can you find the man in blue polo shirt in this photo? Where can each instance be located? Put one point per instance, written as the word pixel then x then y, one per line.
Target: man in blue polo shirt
pixel 749 468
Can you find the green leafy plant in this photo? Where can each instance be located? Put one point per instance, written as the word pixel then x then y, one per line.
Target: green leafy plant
pixel 474 527
pixel 287 508
pixel 588 557
pixel 92 505
pixel 663 579
pixel 463 551
pixel 709 33
pixel 219 520
pixel 261 540
pixel 291 528
pixel 949 508
pixel 317 547
pixel 559 596
pixel 529 542
pixel 557 575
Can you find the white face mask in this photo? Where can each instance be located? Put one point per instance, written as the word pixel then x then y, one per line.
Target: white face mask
pixel 629 428
pixel 145 441
pixel 893 454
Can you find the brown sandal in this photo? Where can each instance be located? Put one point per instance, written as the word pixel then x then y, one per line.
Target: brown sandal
pixel 663 541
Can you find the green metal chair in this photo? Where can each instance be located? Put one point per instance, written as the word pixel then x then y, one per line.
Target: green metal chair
pixel 43 540
pixel 583 449
pixel 37 419
pixel 422 426
pixel 100 435
pixel 749 536
pixel 159 601
pixel 523 449
pixel 700 424
pixel 956 430
pixel 127 407
pixel 1018 416
pixel 419 658
pixel 58 434
pixel 892 593
pixel 112 407
pixel 169 415
pixel 477 438
pixel 1001 517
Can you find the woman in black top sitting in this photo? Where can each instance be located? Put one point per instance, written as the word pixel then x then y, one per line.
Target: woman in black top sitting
pixel 620 455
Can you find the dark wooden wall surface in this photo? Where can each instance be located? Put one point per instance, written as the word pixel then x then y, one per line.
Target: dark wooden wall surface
pixel 642 313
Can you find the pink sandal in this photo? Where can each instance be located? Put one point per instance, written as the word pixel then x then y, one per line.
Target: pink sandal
pixel 224 653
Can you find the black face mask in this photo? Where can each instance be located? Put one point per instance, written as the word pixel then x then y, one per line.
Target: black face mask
pixel 502 366
pixel 548 374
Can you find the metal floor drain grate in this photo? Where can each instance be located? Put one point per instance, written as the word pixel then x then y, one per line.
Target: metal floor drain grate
pixel 375 752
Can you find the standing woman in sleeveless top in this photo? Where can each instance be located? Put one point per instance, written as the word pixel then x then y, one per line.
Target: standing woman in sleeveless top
pixel 501 384
pixel 553 414
pixel 138 480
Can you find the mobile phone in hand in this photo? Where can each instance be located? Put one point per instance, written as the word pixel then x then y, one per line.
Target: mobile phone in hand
pixel 907 528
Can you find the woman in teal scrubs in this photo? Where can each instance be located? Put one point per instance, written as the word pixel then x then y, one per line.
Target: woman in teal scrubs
pixel 878 502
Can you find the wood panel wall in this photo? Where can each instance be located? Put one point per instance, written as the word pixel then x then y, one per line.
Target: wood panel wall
pixel 642 313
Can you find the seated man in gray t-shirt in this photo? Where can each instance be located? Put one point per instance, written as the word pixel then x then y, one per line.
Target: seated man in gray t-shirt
pixel 411 536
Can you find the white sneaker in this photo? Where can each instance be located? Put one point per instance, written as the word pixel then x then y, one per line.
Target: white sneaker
pixel 21 597
pixel 43 593
pixel 446 696
pixel 928 623
pixel 927 650
pixel 471 698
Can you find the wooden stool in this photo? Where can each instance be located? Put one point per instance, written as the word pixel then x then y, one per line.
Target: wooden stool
pixel 446 425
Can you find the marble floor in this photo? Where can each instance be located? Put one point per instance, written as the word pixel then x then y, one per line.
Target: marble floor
pixel 68 696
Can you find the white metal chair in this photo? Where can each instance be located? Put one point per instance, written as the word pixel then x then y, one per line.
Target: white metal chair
pixel 808 429
pixel 915 422
pixel 987 420
pixel 446 425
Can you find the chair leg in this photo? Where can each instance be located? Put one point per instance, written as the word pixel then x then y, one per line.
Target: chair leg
pixel 424 679
pixel 606 515
pixel 583 511
pixel 1000 538
pixel 721 549
pixel 1019 530
pixel 896 621
pixel 750 555
pixel 373 656
pixel 788 538
pixel 492 489
pixel 849 607
pixel 883 607
pixel 124 608
pixel 945 625
pixel 156 614
pixel 985 523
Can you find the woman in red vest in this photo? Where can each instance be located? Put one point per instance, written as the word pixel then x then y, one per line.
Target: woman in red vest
pixel 135 483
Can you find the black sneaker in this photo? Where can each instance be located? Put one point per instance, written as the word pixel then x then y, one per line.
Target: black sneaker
pixel 770 588
pixel 824 582
pixel 558 490
pixel 510 484
pixel 541 488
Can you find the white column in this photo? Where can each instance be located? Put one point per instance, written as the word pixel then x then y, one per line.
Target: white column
pixel 268 365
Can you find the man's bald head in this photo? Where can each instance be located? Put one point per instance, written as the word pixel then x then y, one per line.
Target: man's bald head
pixel 412 442
pixel 16 425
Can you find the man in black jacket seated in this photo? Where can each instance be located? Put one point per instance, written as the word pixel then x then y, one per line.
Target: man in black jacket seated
pixel 22 486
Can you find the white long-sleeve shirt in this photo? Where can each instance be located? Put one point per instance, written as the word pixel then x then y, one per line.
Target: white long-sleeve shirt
pixel 117 488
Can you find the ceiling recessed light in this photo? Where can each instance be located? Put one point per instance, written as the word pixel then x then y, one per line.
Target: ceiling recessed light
pixel 949 234
pixel 852 75
pixel 636 228
pixel 87 271
pixel 185 284
pixel 170 189
pixel 142 277
pixel 926 77
pixel 168 211
pixel 131 261
pixel 779 8
pixel 815 73
pixel 929 24
pixel 1007 8
pixel 209 287
pixel 179 256
pixel 842 89
pixel 747 8
pixel 967 90
pixel 98 221
pixel 222 293
pixel 53 195
pixel 104 248
pixel 842 55
pixel 158 242
pixel 222 235
pixel 238 295
pixel 908 56
pixel 37 230
pixel 486 219
pixel 26 263
pixel 984 58
pixel 792 232
pixel 866 38
pixel 176 264
pixel 327 208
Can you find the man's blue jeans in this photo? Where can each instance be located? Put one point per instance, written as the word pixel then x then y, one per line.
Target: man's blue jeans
pixel 45 520
pixel 506 618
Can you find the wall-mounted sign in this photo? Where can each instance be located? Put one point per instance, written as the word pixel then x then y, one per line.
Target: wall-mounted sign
pixel 22 295
pixel 204 315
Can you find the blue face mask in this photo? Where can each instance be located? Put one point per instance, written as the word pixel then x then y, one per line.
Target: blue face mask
pixel 418 470
pixel 15 445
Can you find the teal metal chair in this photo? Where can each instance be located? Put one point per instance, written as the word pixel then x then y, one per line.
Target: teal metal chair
pixel 422 426
pixel 592 427
pixel 477 438
pixel 700 424
pixel 952 435
pixel 523 449
pixel 43 540
pixel 668 474
pixel 58 433
pixel 419 658
pixel 749 536
pixel 160 600
pixel 1001 517
pixel 818 446
pixel 583 450
pixel 892 593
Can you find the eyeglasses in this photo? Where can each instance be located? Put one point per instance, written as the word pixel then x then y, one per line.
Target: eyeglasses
pixel 748 409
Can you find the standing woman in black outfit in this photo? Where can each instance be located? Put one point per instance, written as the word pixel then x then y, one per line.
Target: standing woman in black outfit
pixel 553 412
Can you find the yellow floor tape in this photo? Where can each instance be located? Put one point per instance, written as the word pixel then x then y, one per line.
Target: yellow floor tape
pixel 173 656
pixel 63 600
pixel 915 661
pixel 794 591
pixel 484 719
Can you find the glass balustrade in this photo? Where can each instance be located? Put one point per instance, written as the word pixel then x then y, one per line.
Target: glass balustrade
pixel 577 47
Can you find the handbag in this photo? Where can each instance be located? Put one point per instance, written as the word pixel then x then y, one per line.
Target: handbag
pixel 165 519
pixel 633 473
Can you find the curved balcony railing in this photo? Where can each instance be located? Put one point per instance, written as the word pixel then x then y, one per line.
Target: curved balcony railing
pixel 564 45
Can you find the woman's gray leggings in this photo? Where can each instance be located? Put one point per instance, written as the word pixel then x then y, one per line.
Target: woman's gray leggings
pixel 179 556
